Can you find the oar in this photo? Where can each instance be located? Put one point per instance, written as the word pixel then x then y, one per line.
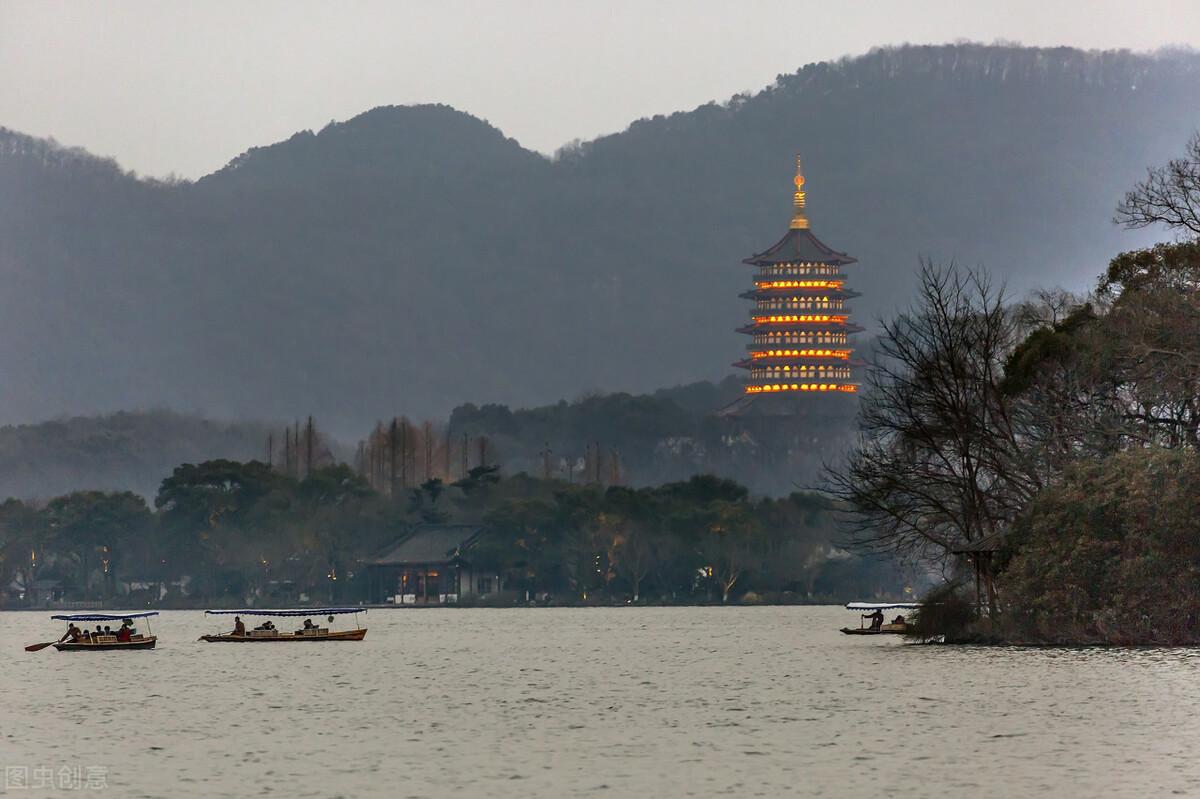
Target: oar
pixel 39 647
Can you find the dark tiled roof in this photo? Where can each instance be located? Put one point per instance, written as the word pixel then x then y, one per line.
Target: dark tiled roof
pixel 800 246
pixel 431 543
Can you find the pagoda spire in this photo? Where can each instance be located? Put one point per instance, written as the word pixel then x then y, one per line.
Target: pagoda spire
pixel 799 218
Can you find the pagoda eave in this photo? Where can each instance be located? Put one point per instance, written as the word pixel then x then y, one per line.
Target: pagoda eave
pixel 800 246
pixel 839 325
pixel 764 294
pixel 748 363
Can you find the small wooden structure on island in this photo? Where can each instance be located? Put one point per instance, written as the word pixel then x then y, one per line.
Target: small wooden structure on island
pixel 982 556
pixel 432 565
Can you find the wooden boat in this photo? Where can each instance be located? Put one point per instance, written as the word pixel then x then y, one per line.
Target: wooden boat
pixel 137 642
pixel 897 629
pixel 324 635
pixel 107 643
pixel 307 634
pixel 894 628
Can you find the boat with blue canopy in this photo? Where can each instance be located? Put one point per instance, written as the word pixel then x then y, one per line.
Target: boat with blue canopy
pixel 879 623
pixel 268 632
pixel 103 637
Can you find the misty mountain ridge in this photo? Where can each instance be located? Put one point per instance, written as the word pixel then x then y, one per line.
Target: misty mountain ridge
pixel 117 452
pixel 414 258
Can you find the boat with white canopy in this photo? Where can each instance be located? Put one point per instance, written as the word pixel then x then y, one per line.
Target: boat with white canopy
pixel 268 632
pixel 879 623
pixel 79 639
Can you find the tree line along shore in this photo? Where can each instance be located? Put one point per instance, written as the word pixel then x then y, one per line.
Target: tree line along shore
pixel 228 533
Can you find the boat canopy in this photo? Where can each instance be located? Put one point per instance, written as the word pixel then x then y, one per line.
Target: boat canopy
pixel 105 616
pixel 883 606
pixel 292 612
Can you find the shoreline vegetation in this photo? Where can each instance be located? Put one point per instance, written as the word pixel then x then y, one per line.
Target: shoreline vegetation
pixel 1045 454
pixel 503 601
pixel 237 534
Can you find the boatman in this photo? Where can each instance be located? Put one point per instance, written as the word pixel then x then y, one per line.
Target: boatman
pixel 73 632
pixel 876 618
pixel 239 627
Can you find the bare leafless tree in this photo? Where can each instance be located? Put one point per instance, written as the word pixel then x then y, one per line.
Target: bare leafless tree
pixel 1170 195
pixel 940 461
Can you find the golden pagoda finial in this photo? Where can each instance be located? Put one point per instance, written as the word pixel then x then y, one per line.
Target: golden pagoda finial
pixel 799 219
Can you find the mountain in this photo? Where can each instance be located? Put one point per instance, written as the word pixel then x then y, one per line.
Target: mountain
pixel 414 258
pixel 117 452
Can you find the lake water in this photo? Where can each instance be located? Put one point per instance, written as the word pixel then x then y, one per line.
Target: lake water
pixel 593 702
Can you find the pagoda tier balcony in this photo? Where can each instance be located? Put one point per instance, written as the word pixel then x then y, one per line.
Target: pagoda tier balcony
pixel 796 370
pixel 835 322
pixel 832 341
pixel 829 328
pixel 767 277
pixel 805 356
pixel 831 307
pixel 783 316
pixel 824 371
pixel 824 284
pixel 813 272
pixel 832 327
pixel 803 286
pixel 817 386
pixel 794 365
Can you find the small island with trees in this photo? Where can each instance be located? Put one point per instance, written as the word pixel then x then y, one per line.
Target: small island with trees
pixel 1045 454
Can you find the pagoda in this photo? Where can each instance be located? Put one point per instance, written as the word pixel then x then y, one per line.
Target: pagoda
pixel 799 330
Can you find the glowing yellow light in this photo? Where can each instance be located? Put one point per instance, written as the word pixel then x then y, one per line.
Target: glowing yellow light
pixel 769 388
pixel 799 221
pixel 843 354
pixel 784 319
pixel 799 284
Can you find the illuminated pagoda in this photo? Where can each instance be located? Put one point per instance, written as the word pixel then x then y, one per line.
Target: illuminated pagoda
pixel 800 326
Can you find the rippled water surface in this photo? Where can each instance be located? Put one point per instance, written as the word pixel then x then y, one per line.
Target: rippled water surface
pixel 599 702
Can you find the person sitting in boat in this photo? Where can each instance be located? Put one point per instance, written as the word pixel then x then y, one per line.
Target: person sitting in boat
pixel 899 619
pixel 876 618
pixel 266 625
pixel 239 626
pixel 99 632
pixel 308 624
pixel 73 632
pixel 125 634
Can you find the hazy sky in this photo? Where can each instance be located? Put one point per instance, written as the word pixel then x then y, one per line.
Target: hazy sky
pixel 184 87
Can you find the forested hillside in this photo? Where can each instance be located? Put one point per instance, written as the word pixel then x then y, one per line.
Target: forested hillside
pixel 118 452
pixel 412 259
